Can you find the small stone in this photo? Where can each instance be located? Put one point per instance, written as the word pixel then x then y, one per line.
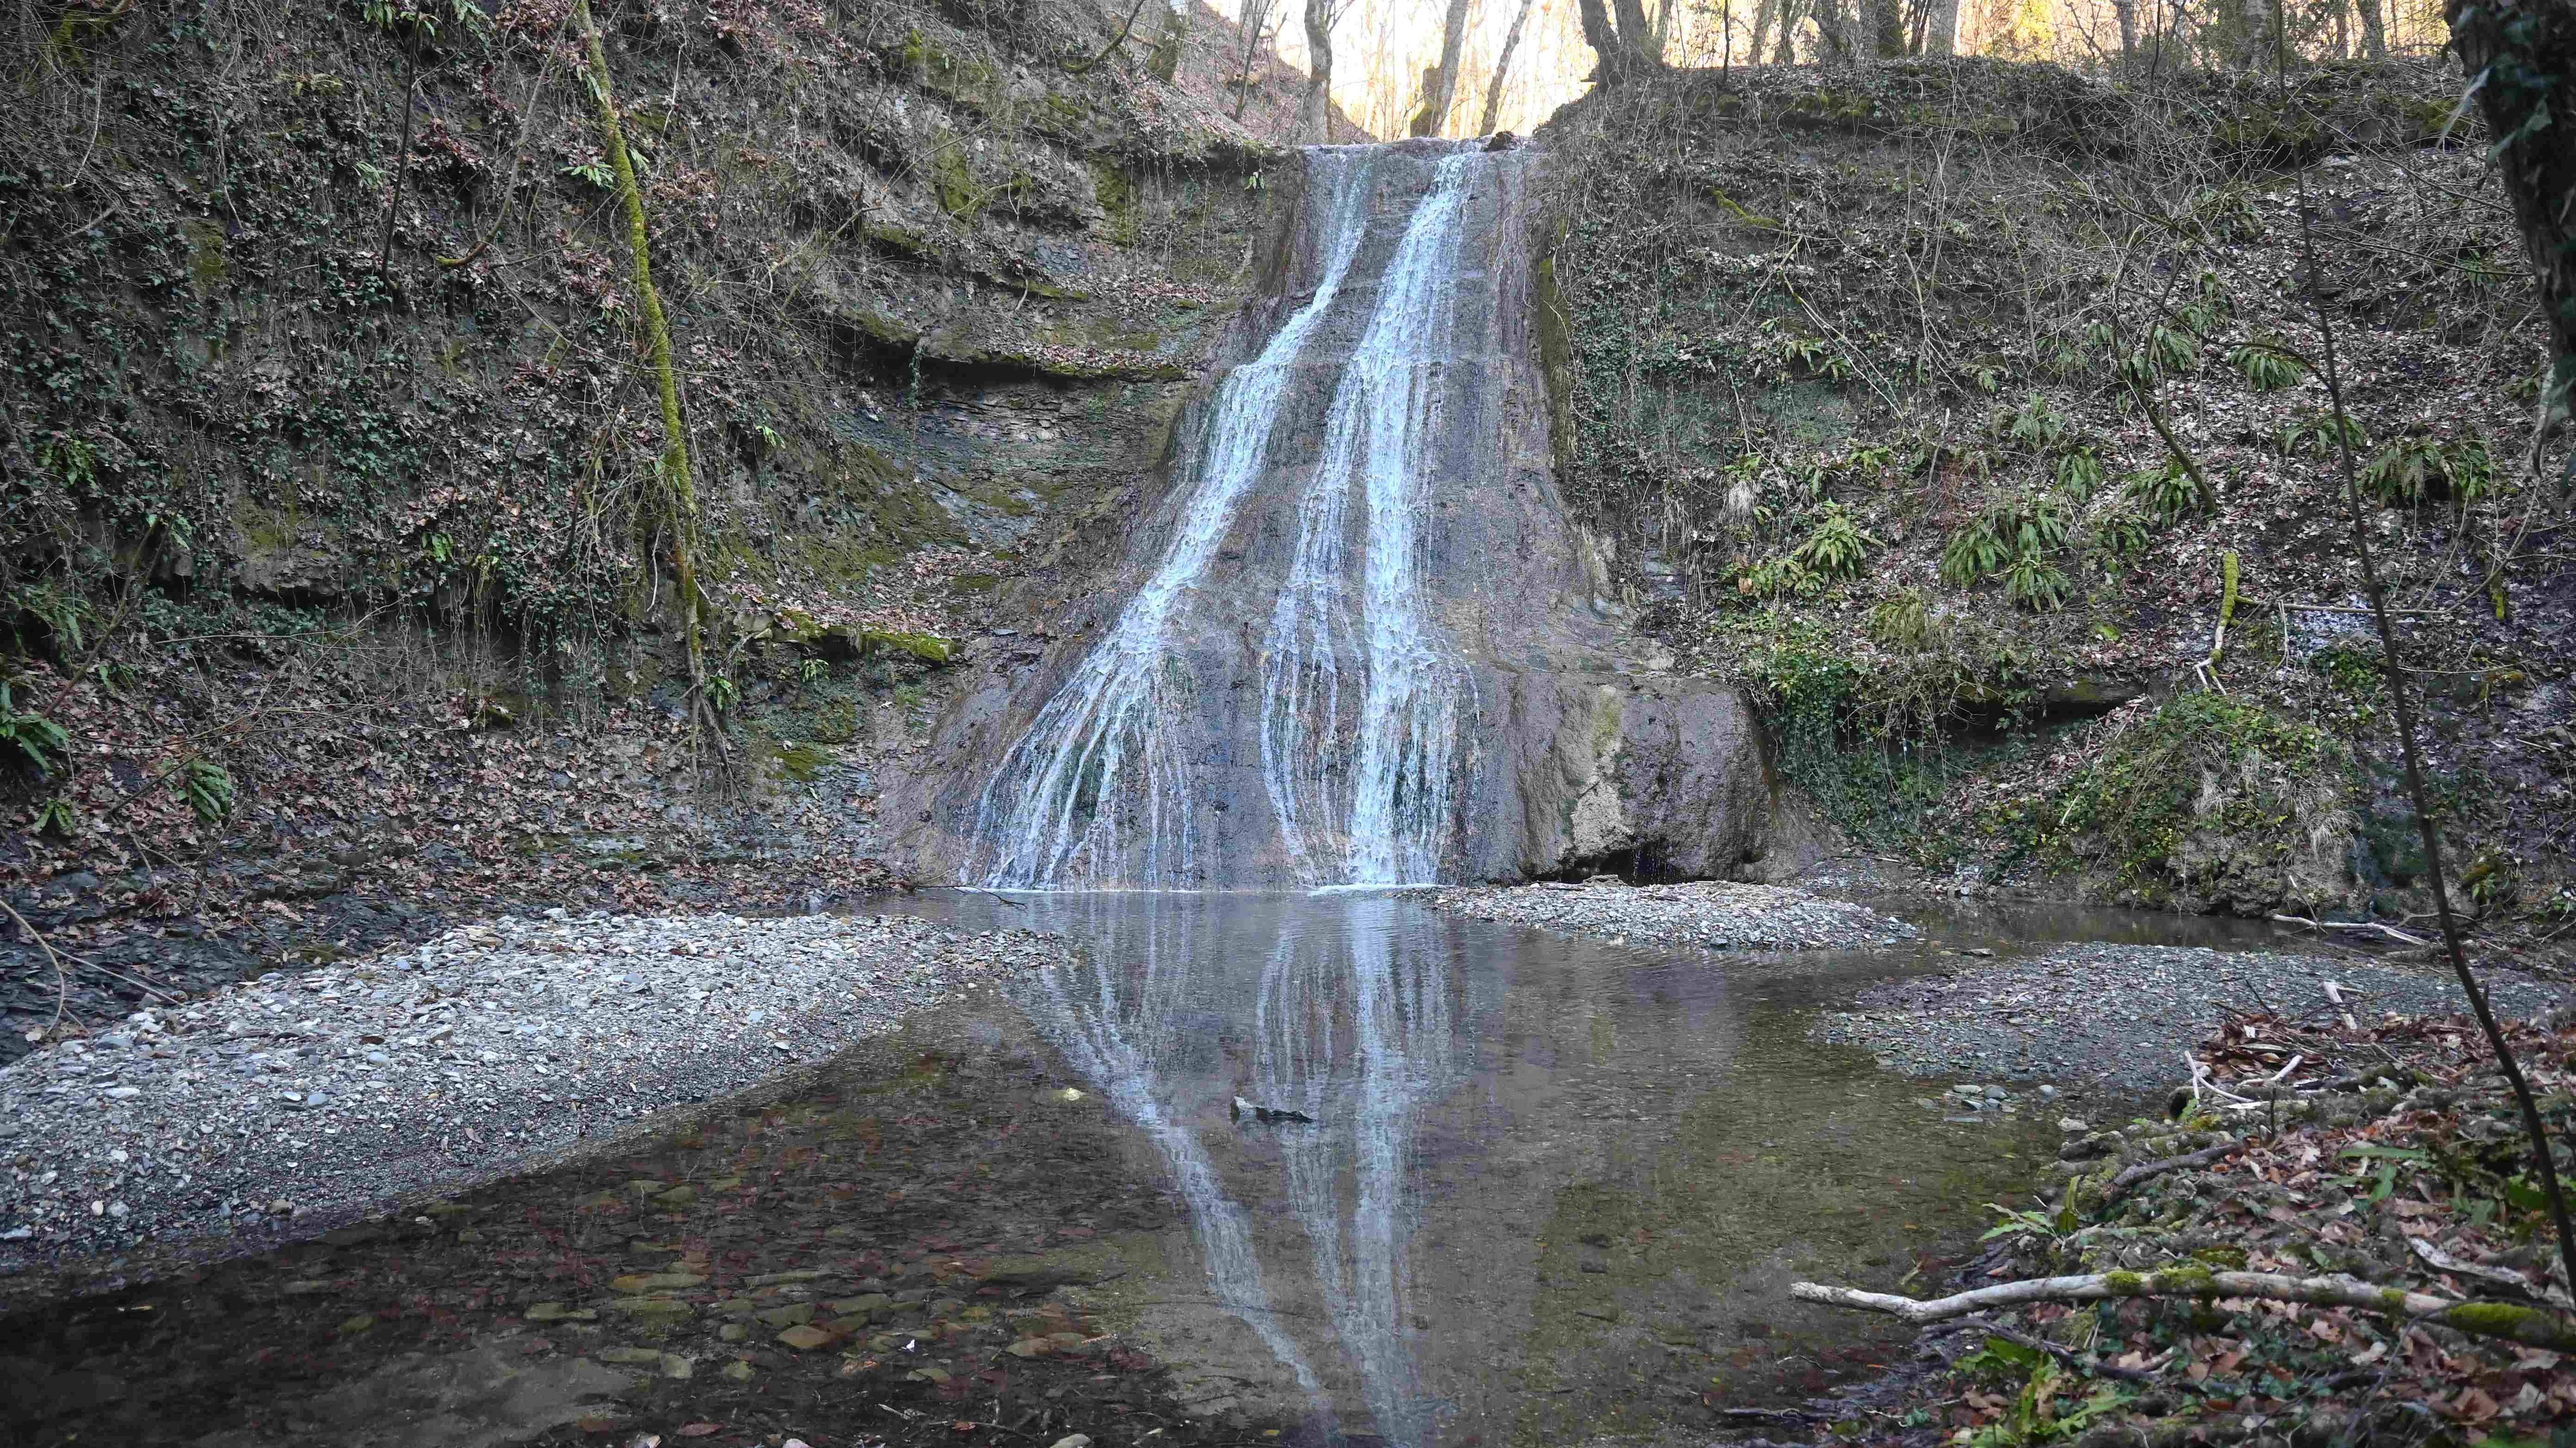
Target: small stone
pixel 635 1283
pixel 676 1366
pixel 738 1370
pixel 681 1196
pixel 794 1312
pixel 1028 1347
pixel 629 1356
pixel 733 1332
pixel 122 1093
pixel 559 1312
pixel 351 1327
pixel 866 1304
pixel 669 1308
pixel 2071 1126
pixel 804 1337
pixel 1072 1440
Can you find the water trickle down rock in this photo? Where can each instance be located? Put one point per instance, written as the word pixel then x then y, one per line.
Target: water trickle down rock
pixel 1359 645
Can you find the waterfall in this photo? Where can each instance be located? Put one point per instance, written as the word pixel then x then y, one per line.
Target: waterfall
pixel 1101 762
pixel 1380 823
pixel 1362 697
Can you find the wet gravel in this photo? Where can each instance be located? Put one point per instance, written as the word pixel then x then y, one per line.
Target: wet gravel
pixel 1711 914
pixel 2118 1016
pixel 291 1103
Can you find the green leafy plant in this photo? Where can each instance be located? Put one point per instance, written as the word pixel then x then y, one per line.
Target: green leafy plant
pixel 722 693
pixel 2414 469
pixel 1976 550
pixel 1901 620
pixel 39 741
pixel 2080 472
pixel 2264 366
pixel 61 619
pixel 71 459
pixel 1774 577
pixel 1837 547
pixel 2118 536
pixel 2315 434
pixel 2033 424
pixel 55 817
pixel 592 170
pixel 206 786
pixel 2032 581
pixel 2164 351
pixel 2169 493
pixel 810 672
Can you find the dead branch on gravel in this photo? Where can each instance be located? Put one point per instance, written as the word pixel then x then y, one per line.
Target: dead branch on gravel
pixel 62 974
pixel 2128 1179
pixel 2514 1322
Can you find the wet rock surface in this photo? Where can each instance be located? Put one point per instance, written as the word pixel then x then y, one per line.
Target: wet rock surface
pixel 289 1103
pixel 2117 1016
pixel 913 1248
pixel 1710 914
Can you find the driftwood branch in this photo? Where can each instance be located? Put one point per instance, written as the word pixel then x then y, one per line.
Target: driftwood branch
pixel 2514 1322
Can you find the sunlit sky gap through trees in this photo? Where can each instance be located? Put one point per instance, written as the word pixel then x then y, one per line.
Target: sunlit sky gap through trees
pixel 1382 47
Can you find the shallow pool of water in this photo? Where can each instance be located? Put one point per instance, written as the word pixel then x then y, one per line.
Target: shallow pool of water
pixel 1551 1188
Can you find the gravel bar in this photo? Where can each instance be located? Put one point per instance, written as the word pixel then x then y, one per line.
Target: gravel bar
pixel 1710 914
pixel 2118 1016
pixel 294 1103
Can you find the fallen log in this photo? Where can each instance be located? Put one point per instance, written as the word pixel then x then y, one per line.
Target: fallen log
pixel 2515 1322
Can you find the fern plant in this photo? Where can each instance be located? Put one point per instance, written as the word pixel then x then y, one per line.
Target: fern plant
pixel 1975 551
pixel 2118 536
pixel 1900 620
pixel 2412 469
pixel 1837 547
pixel 2264 366
pixel 2315 434
pixel 2170 493
pixel 2033 425
pixel 39 741
pixel 2034 582
pixel 206 786
pixel 2080 472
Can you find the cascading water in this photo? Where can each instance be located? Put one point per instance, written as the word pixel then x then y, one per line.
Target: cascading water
pixel 1362 696
pixel 1381 822
pixel 1063 802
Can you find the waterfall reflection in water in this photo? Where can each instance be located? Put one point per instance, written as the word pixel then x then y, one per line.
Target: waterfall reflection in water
pixel 1361 1018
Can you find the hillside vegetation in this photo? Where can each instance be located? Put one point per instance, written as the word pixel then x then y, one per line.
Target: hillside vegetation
pixel 1970 413
pixel 331 532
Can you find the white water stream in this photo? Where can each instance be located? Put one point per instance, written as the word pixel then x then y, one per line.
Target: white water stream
pixel 1362 697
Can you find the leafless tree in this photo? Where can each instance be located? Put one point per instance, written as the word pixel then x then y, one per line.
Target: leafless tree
pixel 1502 68
pixel 1623 49
pixel 1320 15
pixel 1442 90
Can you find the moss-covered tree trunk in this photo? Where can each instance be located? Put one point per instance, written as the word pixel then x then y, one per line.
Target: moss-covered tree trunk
pixel 679 496
pixel 2521 60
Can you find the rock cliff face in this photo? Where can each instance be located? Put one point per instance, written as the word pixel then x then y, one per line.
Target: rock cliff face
pixel 1355 642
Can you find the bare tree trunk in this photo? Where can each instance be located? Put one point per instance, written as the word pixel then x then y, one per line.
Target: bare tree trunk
pixel 1886 27
pixel 2521 60
pixel 1638 34
pixel 2127 10
pixel 1762 26
pixel 2258 30
pixel 1502 68
pixel 1443 90
pixel 1319 72
pixel 2374 36
pixel 1833 35
pixel 1788 33
pixel 1624 49
pixel 1941 26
